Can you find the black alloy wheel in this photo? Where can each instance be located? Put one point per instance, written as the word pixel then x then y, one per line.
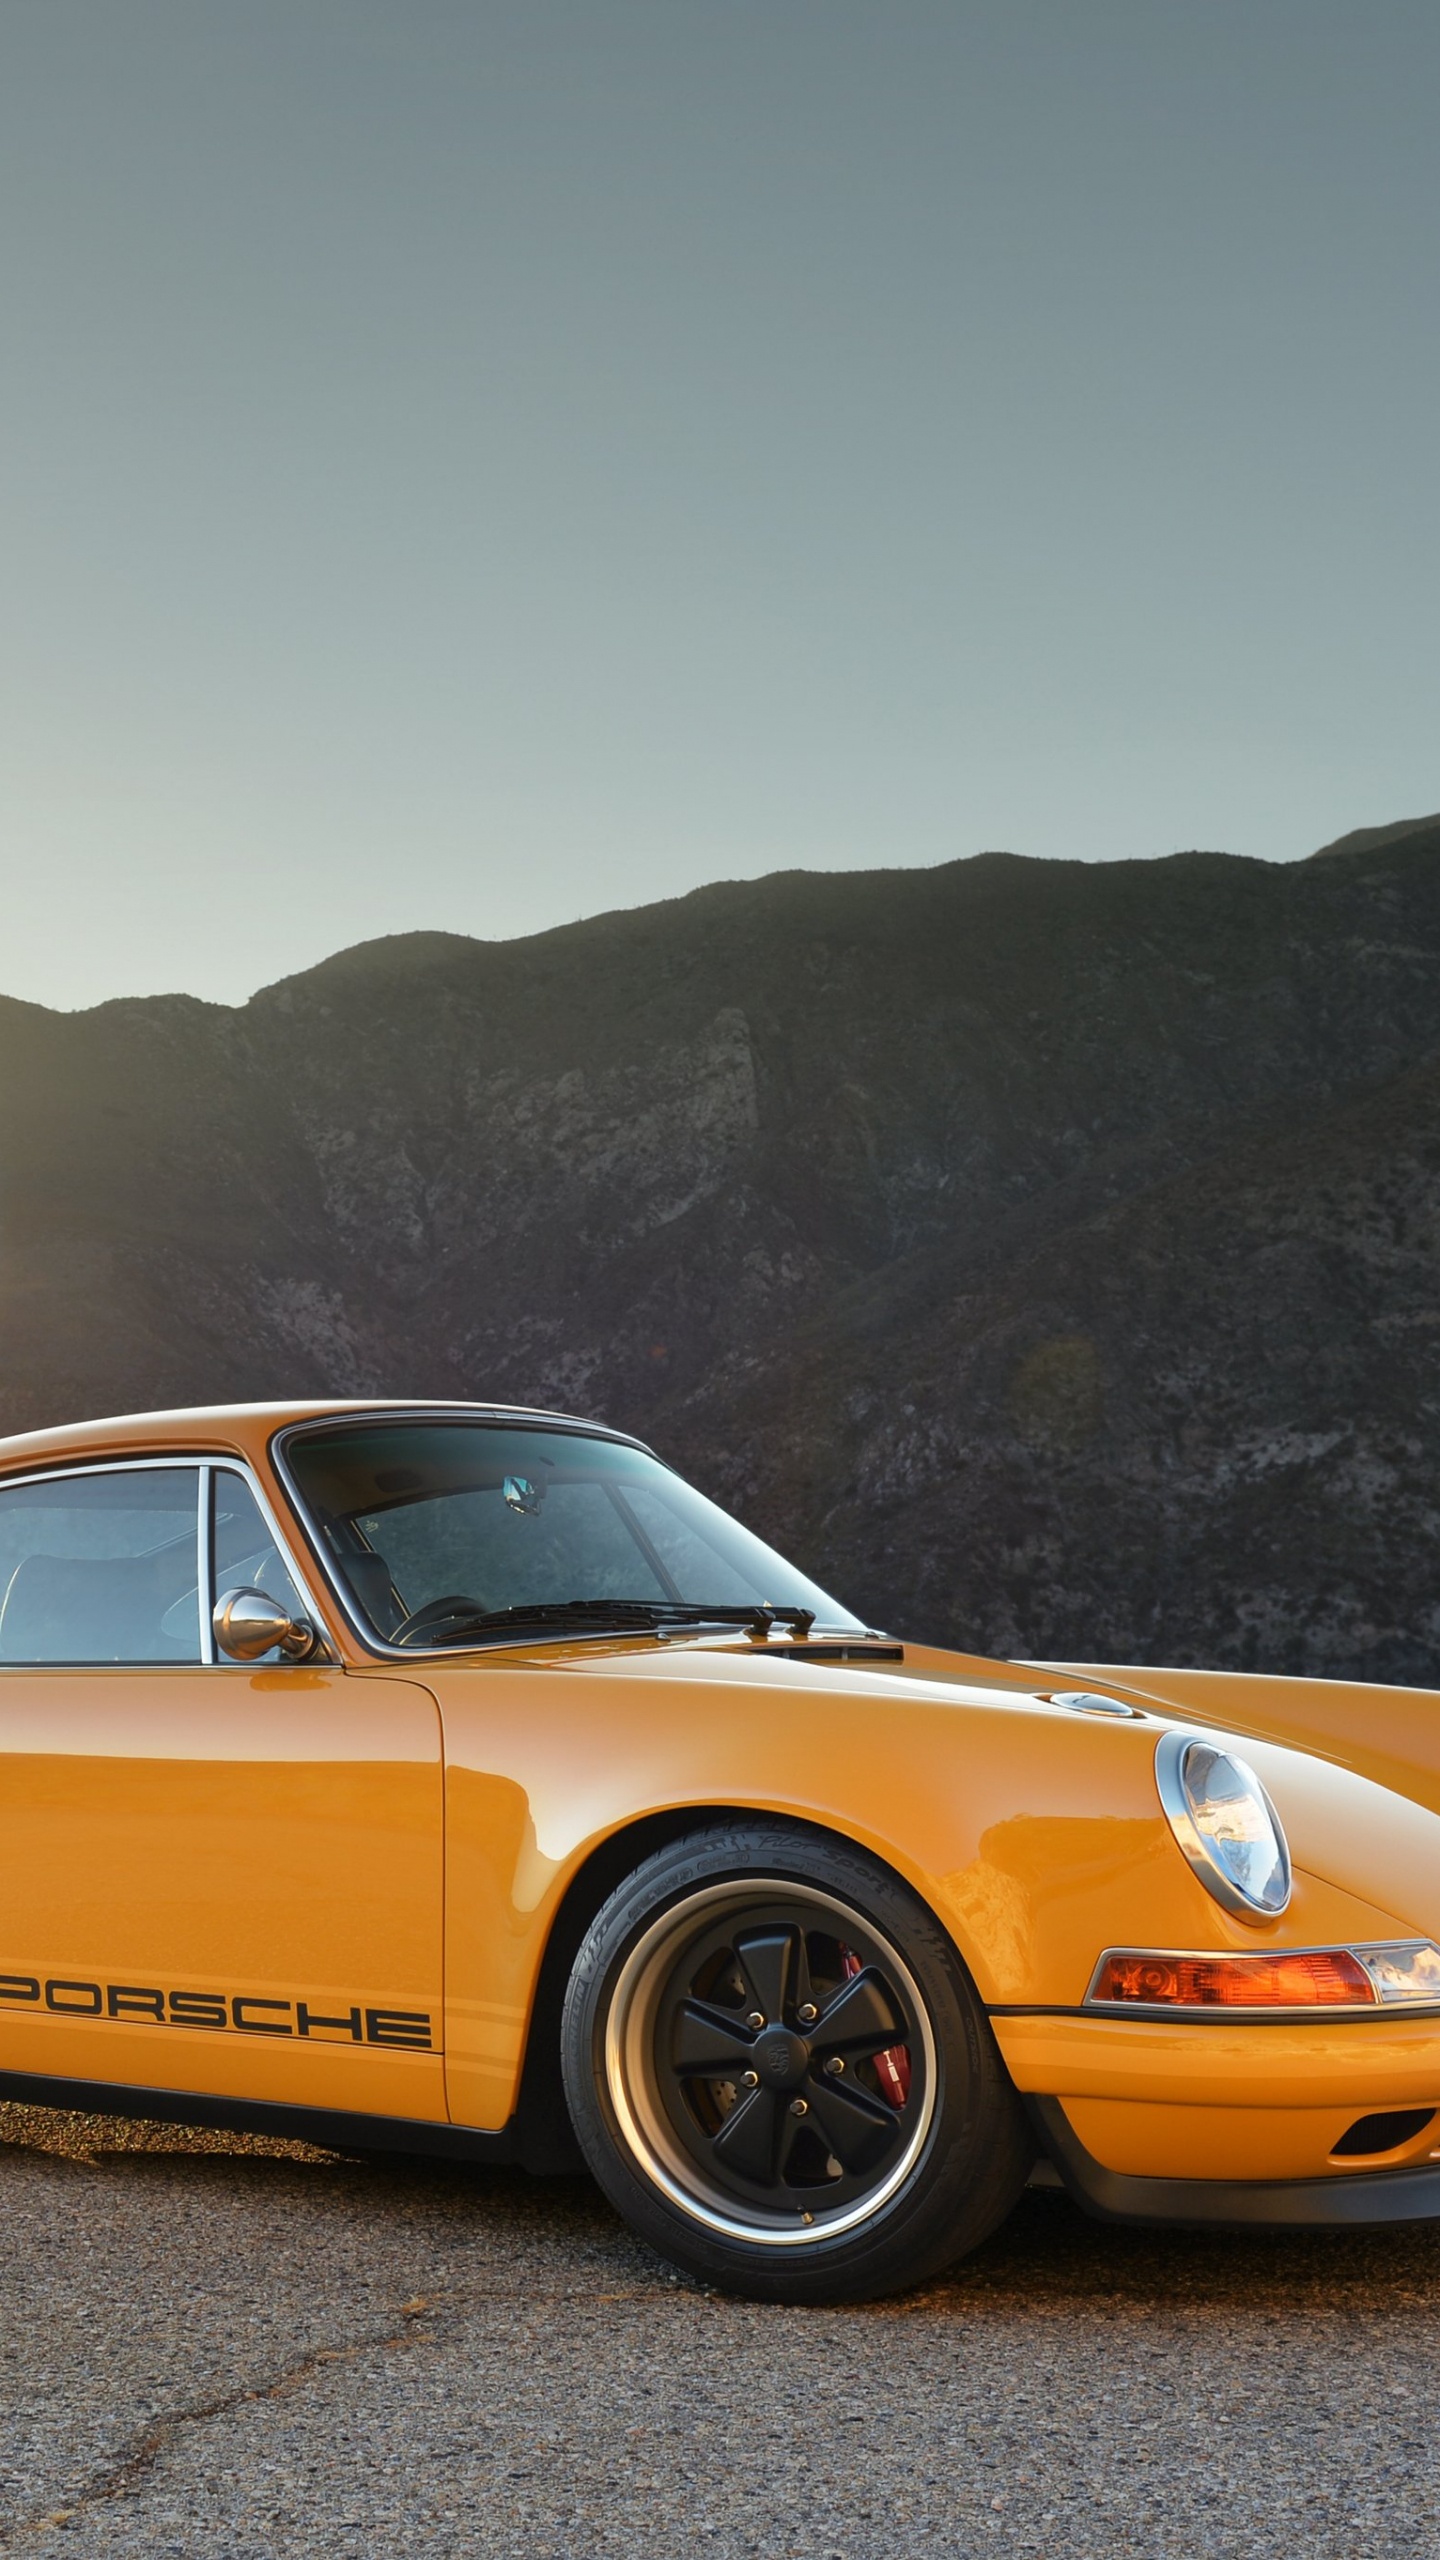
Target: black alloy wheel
pixel 779 2071
pixel 770 2032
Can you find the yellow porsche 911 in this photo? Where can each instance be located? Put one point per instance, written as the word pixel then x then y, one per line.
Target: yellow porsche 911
pixel 457 1780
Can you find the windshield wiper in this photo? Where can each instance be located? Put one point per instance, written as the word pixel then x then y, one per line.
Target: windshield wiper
pixel 607 1614
pixel 764 1615
pixel 538 1613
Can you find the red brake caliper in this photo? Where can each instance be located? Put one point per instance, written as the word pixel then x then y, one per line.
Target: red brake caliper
pixel 892 2068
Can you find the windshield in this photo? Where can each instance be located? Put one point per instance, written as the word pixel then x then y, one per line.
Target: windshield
pixel 452 1523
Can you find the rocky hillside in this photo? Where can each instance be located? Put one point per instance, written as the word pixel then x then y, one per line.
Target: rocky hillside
pixel 1045 1253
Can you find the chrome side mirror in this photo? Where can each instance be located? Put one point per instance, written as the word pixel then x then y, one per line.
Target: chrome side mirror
pixel 248 1623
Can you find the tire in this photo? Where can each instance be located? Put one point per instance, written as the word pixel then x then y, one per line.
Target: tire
pixel 780 2073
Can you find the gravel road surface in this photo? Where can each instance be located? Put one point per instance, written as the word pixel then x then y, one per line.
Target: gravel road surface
pixel 232 2348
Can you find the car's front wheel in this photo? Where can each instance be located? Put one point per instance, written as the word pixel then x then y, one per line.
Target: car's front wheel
pixel 780 2073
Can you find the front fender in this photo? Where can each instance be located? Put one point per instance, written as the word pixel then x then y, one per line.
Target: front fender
pixel 1035 1834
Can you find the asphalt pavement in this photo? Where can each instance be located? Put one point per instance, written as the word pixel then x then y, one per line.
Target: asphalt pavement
pixel 230 2348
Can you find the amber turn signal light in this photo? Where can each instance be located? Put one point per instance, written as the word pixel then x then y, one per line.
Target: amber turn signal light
pixel 1319 1978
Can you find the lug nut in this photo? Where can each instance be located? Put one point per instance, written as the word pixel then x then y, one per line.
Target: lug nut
pixel 835 2065
pixel 808 2014
pixel 749 2079
pixel 756 2019
pixel 799 2107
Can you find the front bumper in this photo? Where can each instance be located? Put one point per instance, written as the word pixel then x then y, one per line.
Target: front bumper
pixel 1298 2204
pixel 1372 2059
pixel 1209 2101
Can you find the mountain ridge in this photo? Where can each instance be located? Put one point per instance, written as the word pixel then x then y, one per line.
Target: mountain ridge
pixel 752 1170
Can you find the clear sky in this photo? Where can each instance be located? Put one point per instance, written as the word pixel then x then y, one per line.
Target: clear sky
pixel 473 465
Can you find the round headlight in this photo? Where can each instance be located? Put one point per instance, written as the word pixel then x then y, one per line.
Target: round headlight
pixel 1226 1825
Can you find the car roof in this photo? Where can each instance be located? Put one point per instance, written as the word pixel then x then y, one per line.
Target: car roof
pixel 247 1429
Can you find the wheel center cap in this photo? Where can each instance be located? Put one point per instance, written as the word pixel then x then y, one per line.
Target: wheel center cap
pixel 780 2058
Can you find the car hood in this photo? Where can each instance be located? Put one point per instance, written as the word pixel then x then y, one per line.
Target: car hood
pixel 1389 1734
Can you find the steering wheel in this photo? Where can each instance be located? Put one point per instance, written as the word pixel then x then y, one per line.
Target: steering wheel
pixel 420 1622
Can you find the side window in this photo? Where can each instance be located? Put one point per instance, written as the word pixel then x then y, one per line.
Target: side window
pixel 101 1567
pixel 245 1550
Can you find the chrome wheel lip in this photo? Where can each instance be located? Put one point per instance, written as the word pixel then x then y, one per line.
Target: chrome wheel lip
pixel 640 2115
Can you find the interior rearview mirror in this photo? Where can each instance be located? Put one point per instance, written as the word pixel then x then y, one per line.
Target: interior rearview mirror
pixel 248 1623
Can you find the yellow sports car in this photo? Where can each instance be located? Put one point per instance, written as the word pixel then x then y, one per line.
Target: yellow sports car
pixel 457 1780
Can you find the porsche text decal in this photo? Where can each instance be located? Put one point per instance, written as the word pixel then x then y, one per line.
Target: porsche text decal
pixel 243 2012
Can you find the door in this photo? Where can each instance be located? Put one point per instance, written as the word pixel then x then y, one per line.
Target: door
pixel 213 1877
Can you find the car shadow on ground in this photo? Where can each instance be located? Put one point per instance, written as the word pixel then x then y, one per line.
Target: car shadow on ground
pixel 1049 2255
